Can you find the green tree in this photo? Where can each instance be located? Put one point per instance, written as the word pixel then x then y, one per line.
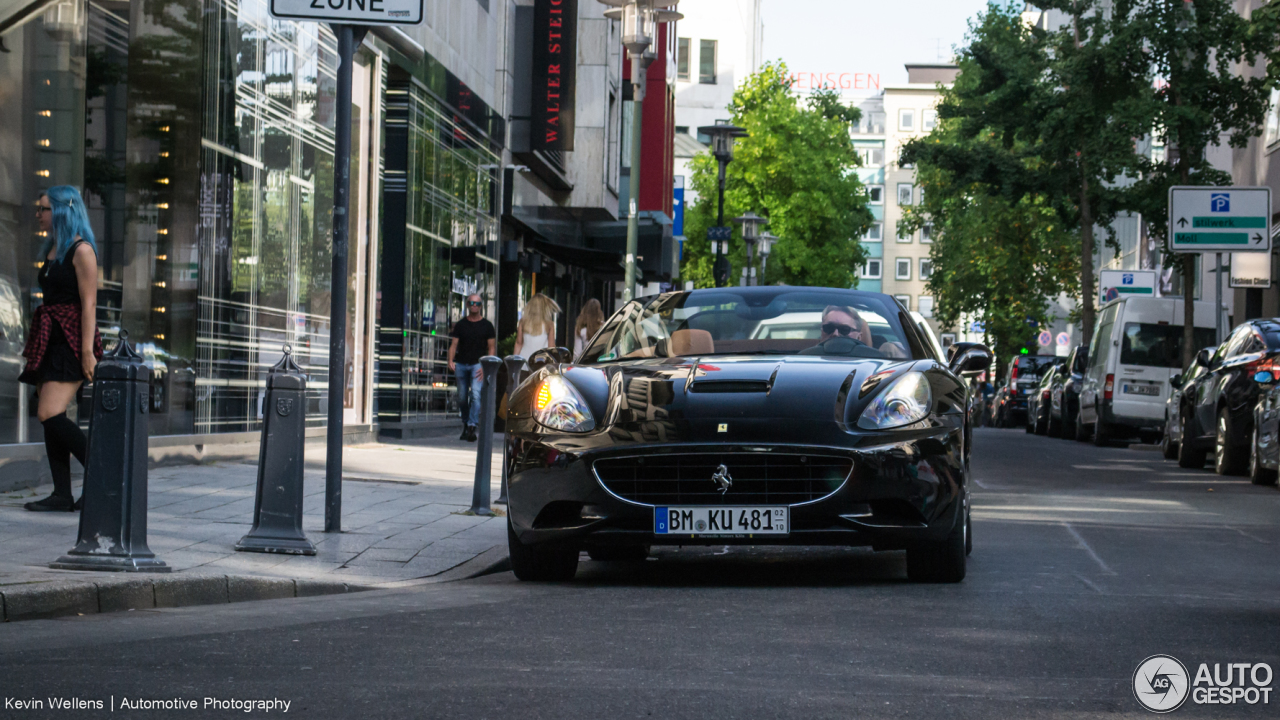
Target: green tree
pixel 797 168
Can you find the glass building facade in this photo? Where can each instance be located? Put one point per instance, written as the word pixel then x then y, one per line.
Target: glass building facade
pixel 202 134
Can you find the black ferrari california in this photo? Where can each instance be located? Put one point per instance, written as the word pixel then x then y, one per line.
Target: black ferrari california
pixel 761 415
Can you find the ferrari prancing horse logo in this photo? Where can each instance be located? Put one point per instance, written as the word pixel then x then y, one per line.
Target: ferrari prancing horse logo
pixel 722 479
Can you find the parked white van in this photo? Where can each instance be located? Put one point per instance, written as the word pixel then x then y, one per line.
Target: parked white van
pixel 1136 348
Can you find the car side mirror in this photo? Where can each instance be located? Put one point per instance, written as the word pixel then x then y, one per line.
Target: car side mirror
pixel 1176 381
pixel 1264 377
pixel 546 356
pixel 1204 356
pixel 968 359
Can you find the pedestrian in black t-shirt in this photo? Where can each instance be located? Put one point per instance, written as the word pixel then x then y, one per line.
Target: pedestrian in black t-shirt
pixel 473 338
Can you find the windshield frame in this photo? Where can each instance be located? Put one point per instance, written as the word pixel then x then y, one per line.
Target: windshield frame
pixel 617 340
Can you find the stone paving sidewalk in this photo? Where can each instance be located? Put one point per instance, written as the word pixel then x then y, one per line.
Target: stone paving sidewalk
pixel 402 517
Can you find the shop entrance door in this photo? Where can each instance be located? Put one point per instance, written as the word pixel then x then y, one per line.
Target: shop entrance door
pixel 357 402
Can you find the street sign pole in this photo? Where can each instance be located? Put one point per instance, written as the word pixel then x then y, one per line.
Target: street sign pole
pixel 347 41
pixel 1217 305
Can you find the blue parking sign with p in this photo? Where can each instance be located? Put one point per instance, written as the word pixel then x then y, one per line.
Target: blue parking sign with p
pixel 1126 279
pixel 1220 202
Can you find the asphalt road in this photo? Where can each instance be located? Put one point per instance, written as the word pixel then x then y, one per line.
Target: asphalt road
pixel 1085 562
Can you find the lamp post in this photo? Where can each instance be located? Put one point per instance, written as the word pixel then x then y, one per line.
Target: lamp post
pixel 767 239
pixel 751 223
pixel 640 20
pixel 722 137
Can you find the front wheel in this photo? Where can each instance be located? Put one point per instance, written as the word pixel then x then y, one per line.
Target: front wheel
pixel 543 562
pixel 1055 426
pixel 1168 448
pixel 942 561
pixel 1259 474
pixel 1188 456
pixel 1082 432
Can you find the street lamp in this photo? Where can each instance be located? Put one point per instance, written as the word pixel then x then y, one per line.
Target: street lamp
pixel 766 246
pixel 640 20
pixel 722 137
pixel 751 223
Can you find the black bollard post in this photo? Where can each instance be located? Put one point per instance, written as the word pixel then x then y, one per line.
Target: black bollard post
pixel 484 449
pixel 514 366
pixel 113 524
pixel 277 510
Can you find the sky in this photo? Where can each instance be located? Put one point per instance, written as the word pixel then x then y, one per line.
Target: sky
pixel 861 36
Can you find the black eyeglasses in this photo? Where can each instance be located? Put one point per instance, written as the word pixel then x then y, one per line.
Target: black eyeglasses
pixel 43 209
pixel 833 328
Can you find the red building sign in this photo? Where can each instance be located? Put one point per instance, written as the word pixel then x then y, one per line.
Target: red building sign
pixel 838 81
pixel 555 47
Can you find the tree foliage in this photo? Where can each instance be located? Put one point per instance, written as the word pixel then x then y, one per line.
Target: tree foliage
pixel 795 167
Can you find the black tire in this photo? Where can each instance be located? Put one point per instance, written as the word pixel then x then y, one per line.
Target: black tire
pixel 625 553
pixel 1054 428
pixel 1258 474
pixel 1082 433
pixel 1189 456
pixel 942 561
pixel 1031 424
pixel 968 536
pixel 1041 428
pixel 1168 448
pixel 543 562
pixel 1227 458
pixel 1101 435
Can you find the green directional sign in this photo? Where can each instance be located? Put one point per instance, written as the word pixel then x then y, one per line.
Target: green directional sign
pixel 1219 219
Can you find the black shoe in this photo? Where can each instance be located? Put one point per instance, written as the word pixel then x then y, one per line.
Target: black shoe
pixel 465 429
pixel 471 433
pixel 79 504
pixel 53 503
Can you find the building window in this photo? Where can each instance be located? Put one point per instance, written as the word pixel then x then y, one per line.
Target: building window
pixel 875 194
pixel 682 129
pixel 928 121
pixel 903 236
pixel 926 269
pixel 903 164
pixel 907 120
pixel 871 269
pixel 905 300
pixel 926 307
pixel 926 233
pixel 682 59
pixel 875 233
pixel 707 63
pixel 905 191
pixel 871 157
pixel 902 269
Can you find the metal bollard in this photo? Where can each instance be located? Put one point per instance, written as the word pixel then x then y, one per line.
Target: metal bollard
pixel 113 524
pixel 484 450
pixel 514 366
pixel 277 510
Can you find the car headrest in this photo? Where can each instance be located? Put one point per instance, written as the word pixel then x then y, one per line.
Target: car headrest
pixel 692 342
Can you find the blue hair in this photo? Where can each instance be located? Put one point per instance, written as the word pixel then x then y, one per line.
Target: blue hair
pixel 69 221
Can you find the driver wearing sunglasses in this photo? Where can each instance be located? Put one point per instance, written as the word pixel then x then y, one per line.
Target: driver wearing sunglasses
pixel 843 322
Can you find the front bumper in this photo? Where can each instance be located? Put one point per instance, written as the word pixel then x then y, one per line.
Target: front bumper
pixel 897 494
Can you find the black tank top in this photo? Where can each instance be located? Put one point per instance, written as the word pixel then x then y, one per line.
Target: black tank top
pixel 58 280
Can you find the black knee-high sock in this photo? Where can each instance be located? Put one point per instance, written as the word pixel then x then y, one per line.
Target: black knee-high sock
pixel 59 458
pixel 69 433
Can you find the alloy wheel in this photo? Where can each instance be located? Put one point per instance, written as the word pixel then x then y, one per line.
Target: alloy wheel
pixel 1220 445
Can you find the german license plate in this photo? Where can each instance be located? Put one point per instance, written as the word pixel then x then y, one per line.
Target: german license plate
pixel 721 521
pixel 1140 389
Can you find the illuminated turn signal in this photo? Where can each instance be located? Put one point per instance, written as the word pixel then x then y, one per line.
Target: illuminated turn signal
pixel 544 397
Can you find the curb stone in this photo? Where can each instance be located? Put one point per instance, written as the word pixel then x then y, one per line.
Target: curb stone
pixel 58 598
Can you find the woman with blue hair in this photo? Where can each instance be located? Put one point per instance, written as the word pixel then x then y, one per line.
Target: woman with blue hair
pixel 63 346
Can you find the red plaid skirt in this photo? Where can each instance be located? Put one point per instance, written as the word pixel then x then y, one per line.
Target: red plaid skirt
pixel 67 316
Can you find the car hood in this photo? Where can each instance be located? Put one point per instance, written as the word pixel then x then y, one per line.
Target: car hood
pixel 747 399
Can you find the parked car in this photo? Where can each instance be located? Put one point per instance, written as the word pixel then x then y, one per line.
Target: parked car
pixel 1171 438
pixel 1136 348
pixel 1039 401
pixel 1064 396
pixel 1264 454
pixel 1217 408
pixel 1025 373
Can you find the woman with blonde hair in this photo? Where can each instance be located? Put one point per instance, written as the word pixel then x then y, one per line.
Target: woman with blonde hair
pixel 537 326
pixel 589 322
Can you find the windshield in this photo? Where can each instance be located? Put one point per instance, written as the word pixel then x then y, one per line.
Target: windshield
pixel 759 321
pixel 1031 368
pixel 1159 345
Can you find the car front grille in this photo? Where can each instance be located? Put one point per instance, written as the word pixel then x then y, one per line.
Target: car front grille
pixel 758 478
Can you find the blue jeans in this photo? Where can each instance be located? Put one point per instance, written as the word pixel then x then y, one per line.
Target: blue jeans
pixel 470 381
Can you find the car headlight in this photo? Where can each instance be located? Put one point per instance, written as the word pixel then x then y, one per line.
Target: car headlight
pixel 904 402
pixel 559 406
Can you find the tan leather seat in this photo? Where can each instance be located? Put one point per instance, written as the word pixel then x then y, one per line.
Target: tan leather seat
pixel 692 342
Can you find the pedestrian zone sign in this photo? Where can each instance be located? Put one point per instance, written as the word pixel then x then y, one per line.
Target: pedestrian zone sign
pixel 1219 219
pixel 1113 284
pixel 351 12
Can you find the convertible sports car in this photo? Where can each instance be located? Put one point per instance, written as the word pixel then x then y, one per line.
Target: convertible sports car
pixel 761 415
